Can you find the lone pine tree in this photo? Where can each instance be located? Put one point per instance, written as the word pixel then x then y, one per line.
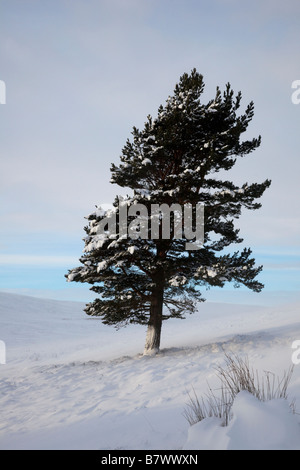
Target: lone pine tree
pixel 180 157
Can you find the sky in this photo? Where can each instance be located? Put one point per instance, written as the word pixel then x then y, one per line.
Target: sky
pixel 79 74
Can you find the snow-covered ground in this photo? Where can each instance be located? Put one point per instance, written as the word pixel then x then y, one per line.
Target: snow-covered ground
pixel 69 382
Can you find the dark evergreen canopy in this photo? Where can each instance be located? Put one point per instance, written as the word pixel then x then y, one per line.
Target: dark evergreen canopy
pixel 180 157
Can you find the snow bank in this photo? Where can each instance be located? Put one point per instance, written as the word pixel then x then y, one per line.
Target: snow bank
pixel 70 382
pixel 255 425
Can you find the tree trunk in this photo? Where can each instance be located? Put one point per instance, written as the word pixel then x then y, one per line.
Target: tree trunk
pixel 155 320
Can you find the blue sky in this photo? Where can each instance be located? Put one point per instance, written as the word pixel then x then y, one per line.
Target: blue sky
pixel 80 74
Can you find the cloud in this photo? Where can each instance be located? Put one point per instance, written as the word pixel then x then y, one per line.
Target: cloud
pixel 36 260
pixel 79 75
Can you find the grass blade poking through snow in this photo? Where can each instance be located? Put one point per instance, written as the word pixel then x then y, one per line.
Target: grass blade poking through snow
pixel 236 377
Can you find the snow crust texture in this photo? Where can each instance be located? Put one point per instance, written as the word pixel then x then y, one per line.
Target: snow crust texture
pixel 255 425
pixel 70 382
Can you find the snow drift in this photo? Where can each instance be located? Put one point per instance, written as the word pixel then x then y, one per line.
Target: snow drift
pixel 255 425
pixel 70 382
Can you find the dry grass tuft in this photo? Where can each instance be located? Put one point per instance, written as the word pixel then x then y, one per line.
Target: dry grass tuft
pixel 235 377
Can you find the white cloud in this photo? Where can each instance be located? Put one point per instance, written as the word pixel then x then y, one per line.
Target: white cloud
pixel 80 74
pixel 37 260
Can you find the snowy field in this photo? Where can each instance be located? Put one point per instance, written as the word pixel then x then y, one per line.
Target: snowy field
pixel 69 382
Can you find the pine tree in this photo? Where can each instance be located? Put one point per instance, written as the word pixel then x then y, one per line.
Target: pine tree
pixel 175 159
